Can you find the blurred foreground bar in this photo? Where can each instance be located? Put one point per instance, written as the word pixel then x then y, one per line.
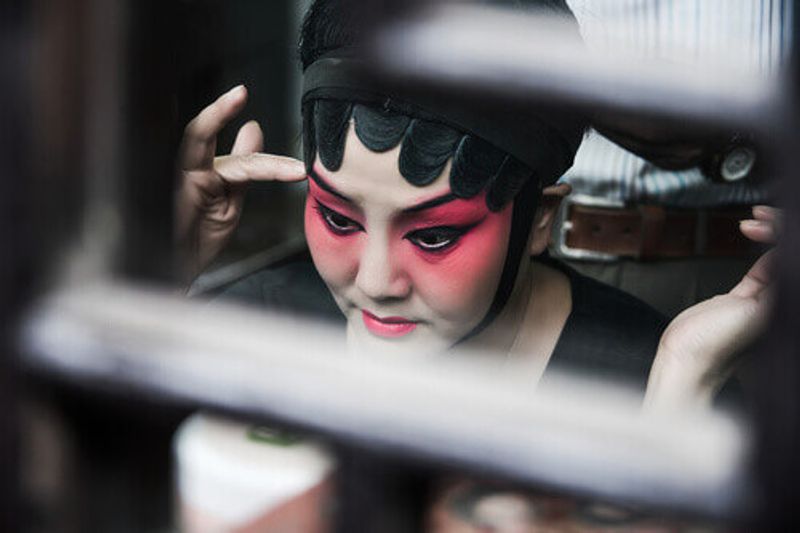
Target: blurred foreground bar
pixel 487 51
pixel 464 412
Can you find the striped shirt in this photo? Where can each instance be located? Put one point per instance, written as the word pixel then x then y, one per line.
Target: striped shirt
pixel 751 36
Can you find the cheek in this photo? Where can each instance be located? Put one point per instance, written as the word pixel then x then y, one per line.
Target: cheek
pixel 334 256
pixel 460 285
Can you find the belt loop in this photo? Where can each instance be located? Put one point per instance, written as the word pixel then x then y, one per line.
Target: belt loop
pixel 652 231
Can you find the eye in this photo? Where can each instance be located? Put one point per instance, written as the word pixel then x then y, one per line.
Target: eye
pixel 435 239
pixel 338 223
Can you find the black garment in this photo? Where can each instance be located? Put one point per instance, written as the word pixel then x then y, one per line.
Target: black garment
pixel 609 334
pixel 293 286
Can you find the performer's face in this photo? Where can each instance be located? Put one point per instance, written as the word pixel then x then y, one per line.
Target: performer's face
pixel 412 268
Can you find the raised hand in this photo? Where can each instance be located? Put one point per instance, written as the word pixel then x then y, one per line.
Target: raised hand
pixel 211 189
pixel 697 350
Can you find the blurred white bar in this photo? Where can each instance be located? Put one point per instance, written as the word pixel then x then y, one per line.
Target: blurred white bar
pixel 467 411
pixel 528 55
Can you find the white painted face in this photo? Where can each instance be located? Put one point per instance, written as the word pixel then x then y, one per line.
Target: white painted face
pixel 413 269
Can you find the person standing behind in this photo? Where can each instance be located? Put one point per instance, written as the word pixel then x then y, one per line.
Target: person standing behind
pixel 665 211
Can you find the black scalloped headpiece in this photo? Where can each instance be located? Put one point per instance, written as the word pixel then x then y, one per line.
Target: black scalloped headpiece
pixel 426 147
pixel 493 150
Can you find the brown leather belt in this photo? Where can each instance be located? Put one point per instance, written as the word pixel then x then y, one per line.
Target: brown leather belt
pixel 651 232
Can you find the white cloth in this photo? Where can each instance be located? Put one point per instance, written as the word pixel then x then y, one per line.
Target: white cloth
pixel 750 36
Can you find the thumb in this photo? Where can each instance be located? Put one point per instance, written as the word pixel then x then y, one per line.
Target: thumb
pixel 757 278
pixel 249 140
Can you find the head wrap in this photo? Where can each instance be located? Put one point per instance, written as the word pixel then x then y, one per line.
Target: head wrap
pixel 543 140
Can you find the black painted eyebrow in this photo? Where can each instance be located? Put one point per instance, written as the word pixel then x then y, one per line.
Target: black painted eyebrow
pixel 422 206
pixel 327 187
pixel 433 202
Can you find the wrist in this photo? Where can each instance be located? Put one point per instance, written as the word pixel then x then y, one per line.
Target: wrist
pixel 675 383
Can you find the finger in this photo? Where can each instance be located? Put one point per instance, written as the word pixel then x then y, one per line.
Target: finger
pixel 756 279
pixel 259 167
pixel 249 140
pixel 201 133
pixel 759 230
pixel 765 212
pixel 773 215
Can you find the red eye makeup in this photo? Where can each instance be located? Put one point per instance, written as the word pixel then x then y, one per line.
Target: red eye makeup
pixel 336 222
pixel 331 199
pixel 439 228
pixel 437 239
pixel 451 212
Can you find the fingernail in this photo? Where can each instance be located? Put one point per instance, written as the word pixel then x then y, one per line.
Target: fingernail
pixel 235 91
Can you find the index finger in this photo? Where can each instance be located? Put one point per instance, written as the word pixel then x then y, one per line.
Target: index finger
pixel 762 231
pixel 259 167
pixel 765 212
pixel 199 138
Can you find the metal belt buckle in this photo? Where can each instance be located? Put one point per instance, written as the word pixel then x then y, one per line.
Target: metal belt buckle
pixel 563 225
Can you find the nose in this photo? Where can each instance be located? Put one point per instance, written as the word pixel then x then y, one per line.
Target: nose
pixel 379 274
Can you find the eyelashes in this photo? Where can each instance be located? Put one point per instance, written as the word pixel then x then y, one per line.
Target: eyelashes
pixel 432 240
pixel 336 222
pixel 437 239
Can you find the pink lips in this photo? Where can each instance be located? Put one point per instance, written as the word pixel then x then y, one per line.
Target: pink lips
pixel 389 327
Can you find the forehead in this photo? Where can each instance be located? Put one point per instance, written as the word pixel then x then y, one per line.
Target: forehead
pixel 369 177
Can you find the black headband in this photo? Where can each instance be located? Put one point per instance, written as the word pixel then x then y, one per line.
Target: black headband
pixel 544 141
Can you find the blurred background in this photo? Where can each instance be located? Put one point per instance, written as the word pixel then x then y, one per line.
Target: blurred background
pixel 97 94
